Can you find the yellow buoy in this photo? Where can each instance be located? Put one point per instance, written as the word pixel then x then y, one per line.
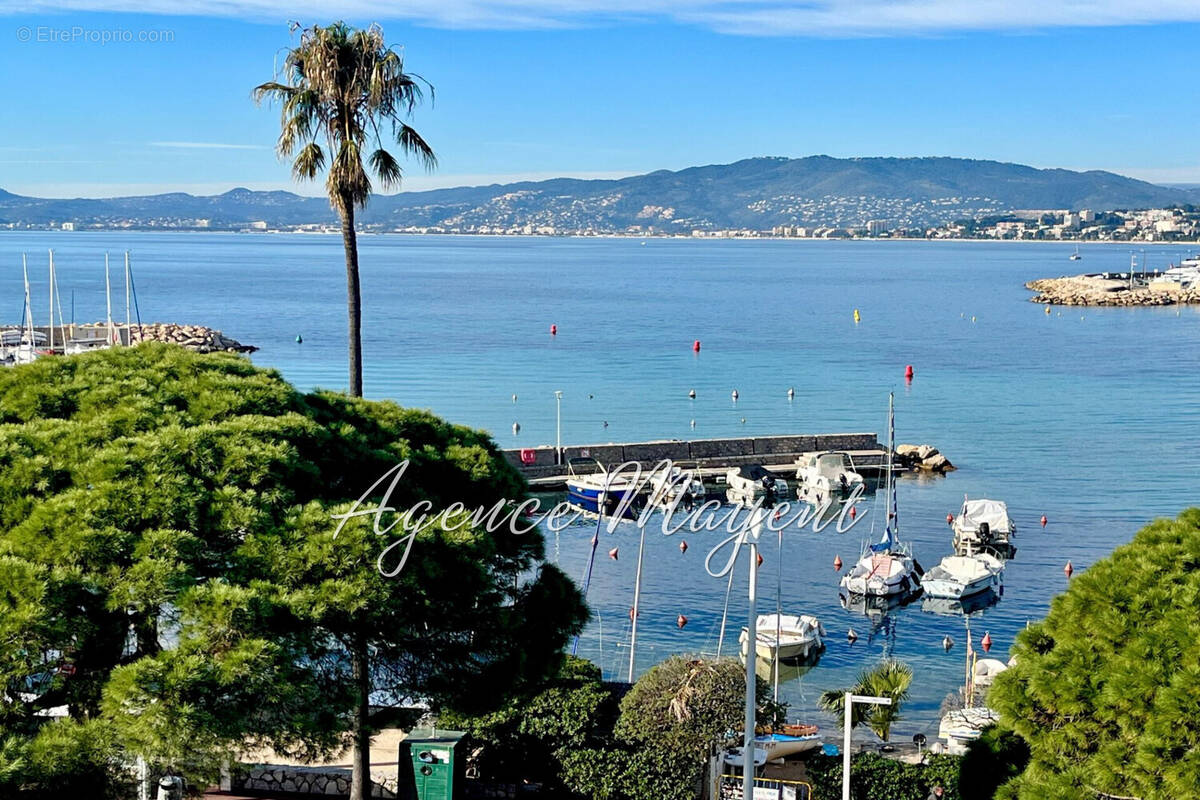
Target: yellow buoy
pixel 1047 310
pixel 857 316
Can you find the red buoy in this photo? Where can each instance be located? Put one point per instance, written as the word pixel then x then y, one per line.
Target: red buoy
pixel 853 512
pixel 908 372
pixel 696 346
pixel 1068 569
pixel 553 330
pixel 837 562
pixel 682 547
pixel 986 642
pixel 778 515
pixel 760 559
pixel 681 621
pixel 613 554
pixel 949 519
pixel 631 613
pixel 1044 520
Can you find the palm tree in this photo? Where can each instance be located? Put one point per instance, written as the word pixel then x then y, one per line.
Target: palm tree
pixel 347 88
pixel 889 678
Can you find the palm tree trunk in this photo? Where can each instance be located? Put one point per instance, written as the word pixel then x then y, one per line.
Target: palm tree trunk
pixel 353 296
pixel 360 770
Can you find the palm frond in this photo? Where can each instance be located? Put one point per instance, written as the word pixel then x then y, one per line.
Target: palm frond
pixel 386 168
pixel 309 162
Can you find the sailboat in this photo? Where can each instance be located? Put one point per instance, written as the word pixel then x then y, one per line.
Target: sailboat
pixel 887 567
pixel 1075 256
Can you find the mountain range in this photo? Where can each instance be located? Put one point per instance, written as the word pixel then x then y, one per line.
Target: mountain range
pixel 755 193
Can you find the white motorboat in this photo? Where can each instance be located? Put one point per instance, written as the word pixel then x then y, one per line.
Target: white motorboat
pixel 591 487
pixel 790 637
pixel 826 473
pixel 782 745
pixel 674 488
pixel 734 758
pixel 961 727
pixel 983 526
pixel 886 567
pixel 957 577
pixel 985 671
pixel 752 482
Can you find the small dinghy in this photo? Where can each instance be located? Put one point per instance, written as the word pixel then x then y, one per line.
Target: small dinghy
pixel 675 489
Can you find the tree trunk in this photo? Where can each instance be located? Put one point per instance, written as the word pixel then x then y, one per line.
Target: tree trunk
pixel 353 297
pixel 360 775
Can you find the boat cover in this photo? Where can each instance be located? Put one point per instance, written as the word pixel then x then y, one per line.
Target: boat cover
pixel 993 512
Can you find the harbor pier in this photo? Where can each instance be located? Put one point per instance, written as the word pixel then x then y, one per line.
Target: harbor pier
pixel 544 468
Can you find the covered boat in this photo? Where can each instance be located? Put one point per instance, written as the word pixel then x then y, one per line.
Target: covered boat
pixel 781 745
pixel 984 526
pixel 957 577
pixel 961 727
pixel 752 482
pixel 788 636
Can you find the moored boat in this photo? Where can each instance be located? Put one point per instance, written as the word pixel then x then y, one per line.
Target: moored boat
pixel 957 577
pixel 826 473
pixel 983 526
pixel 787 637
pixel 591 488
pixel 752 483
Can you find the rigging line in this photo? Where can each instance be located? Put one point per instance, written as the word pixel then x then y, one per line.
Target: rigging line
pixel 587 578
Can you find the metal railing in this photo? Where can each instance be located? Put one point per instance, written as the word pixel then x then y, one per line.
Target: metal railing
pixel 766 789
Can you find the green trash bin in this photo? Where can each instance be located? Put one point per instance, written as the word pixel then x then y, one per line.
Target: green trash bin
pixel 431 766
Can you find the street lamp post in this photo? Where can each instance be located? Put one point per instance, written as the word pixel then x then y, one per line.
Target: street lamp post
pixel 851 699
pixel 754 528
pixel 558 427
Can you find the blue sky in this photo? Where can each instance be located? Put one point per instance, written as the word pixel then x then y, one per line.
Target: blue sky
pixel 539 88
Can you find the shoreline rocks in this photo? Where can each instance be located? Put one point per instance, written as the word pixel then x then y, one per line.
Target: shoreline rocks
pixel 199 338
pixel 923 457
pixel 1093 290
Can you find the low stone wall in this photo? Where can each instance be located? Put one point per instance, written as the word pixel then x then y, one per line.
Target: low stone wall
pixel 540 461
pixel 322 781
pixel 1093 290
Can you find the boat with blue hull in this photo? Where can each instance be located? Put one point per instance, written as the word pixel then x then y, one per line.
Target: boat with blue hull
pixel 592 488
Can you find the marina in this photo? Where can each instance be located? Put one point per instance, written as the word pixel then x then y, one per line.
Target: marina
pixel 1030 409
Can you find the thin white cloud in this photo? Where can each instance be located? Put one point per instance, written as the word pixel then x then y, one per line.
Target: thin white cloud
pixel 837 18
pixel 208 146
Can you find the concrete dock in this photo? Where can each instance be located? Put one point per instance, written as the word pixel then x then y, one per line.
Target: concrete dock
pixel 708 457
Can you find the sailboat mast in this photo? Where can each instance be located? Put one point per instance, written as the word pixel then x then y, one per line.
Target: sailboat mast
pixel 50 330
pixel 28 307
pixel 108 299
pixel 637 596
pixel 778 612
pixel 128 329
pixel 893 524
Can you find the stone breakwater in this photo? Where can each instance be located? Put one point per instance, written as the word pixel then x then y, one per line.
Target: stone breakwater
pixel 922 457
pixel 194 337
pixel 1093 290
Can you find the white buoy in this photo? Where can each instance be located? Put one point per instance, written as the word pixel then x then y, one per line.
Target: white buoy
pixel 514 397
pixel 693 423
pixel 851 635
pixel 791 393
pixel 516 428
pixel 947 643
pixel 692 394
pixel 735 394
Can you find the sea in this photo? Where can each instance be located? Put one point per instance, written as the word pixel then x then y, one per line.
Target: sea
pixel 1088 416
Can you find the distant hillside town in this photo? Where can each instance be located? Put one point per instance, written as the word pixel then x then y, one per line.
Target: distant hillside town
pixel 814 197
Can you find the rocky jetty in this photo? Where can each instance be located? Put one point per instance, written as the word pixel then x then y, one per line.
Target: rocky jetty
pixel 923 457
pixel 1094 290
pixel 194 337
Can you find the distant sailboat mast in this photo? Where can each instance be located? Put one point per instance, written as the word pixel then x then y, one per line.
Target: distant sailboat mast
pixel 50 330
pixel 108 300
pixel 28 306
pixel 128 319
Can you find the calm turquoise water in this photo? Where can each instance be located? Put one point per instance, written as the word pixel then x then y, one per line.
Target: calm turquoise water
pixel 1088 416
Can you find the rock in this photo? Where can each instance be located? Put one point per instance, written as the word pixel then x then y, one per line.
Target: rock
pixel 907 450
pixel 936 463
pixel 926 451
